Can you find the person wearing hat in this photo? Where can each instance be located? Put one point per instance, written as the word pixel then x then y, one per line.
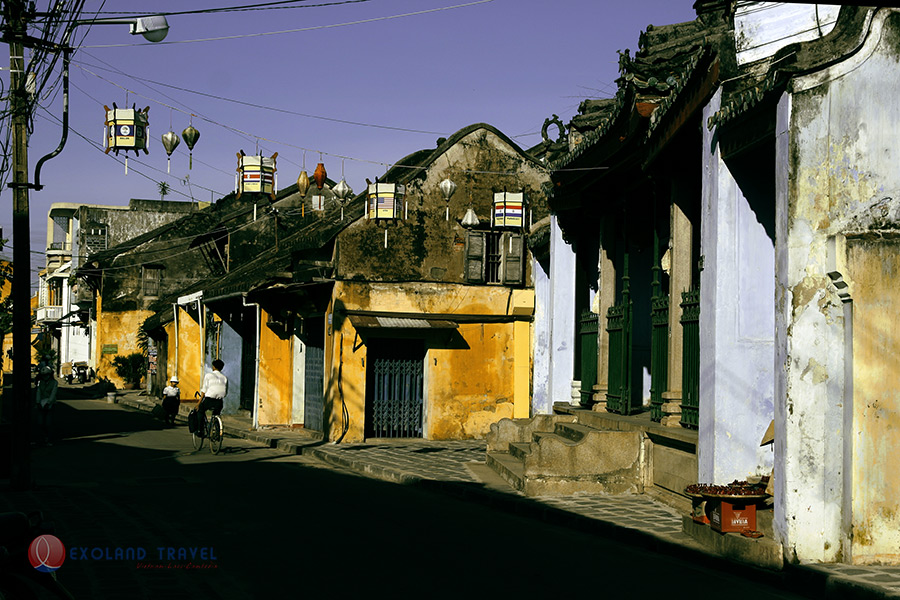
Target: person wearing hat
pixel 45 398
pixel 171 400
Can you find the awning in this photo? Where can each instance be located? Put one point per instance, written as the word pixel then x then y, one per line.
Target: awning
pixel 372 322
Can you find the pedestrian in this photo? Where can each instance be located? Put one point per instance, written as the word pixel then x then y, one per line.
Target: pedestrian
pixel 171 400
pixel 45 398
pixel 213 391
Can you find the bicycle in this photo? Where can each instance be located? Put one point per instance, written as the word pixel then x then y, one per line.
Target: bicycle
pixel 211 428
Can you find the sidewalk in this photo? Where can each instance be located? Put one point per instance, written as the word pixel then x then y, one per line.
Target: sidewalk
pixel 458 468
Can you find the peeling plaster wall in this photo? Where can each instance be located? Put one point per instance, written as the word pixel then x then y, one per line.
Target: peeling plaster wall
pixel 737 326
pixel 541 400
pixel 426 246
pixel 468 376
pixel 842 179
pixel 875 267
pixel 120 329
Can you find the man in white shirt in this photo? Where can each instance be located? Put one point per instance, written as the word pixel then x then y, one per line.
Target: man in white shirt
pixel 213 391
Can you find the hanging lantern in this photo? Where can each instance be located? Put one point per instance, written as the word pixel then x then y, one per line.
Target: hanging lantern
pixel 126 129
pixel 470 219
pixel 319 176
pixel 256 174
pixel 385 200
pixel 342 192
pixel 303 184
pixel 190 135
pixel 509 209
pixel 170 141
pixel 447 188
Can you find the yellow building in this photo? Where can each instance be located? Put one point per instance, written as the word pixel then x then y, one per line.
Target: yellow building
pixel 428 333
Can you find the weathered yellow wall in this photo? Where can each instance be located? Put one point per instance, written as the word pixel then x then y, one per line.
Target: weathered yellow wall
pixel 875 269
pixel 469 383
pixel 275 383
pixel 121 329
pixel 190 368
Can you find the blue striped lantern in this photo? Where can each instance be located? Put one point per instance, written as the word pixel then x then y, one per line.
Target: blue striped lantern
pixel 509 209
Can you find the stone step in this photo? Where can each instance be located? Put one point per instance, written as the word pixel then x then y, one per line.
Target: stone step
pixel 519 450
pixel 574 431
pixel 509 468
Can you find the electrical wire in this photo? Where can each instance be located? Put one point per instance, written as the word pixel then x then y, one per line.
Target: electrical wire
pixel 299 30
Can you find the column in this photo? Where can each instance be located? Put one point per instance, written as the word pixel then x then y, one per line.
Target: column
pixel 679 271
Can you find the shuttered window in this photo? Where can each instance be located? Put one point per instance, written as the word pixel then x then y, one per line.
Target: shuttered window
pixel 495 257
pixel 512 249
pixel 475 247
pixel 151 281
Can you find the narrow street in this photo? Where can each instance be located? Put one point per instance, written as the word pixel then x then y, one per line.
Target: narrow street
pixel 274 524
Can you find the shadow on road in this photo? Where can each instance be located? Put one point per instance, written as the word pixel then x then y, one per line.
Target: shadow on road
pixel 270 525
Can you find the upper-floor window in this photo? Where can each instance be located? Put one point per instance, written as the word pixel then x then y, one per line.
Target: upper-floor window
pixel 494 257
pixel 152 277
pixel 95 239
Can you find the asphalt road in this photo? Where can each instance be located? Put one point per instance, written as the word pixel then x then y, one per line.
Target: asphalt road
pixel 262 524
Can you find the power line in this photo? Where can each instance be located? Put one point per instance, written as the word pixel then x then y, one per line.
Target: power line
pixel 250 104
pixel 302 29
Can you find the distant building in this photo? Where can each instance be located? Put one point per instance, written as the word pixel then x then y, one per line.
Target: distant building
pixel 75 232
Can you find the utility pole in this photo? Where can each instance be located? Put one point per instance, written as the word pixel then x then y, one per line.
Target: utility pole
pixel 21 285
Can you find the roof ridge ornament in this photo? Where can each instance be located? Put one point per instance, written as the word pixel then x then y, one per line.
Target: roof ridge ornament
pixel 559 125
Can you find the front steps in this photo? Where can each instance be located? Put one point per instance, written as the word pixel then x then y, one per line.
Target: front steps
pixel 594 452
pixel 554 455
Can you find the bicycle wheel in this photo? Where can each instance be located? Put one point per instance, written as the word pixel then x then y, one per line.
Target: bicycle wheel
pixel 215 435
pixel 197 438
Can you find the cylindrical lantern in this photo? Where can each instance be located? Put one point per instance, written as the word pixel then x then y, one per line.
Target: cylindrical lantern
pixel 385 200
pixel 509 209
pixel 256 174
pixel 126 129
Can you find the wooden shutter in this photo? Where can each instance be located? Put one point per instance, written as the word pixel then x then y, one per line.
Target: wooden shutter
pixel 513 246
pixel 475 244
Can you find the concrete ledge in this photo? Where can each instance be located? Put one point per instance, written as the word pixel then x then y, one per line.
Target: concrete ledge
pixel 762 552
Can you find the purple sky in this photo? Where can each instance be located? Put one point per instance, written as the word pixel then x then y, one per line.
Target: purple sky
pixel 510 63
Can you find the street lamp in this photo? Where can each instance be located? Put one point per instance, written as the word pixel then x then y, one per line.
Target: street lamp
pixel 154 29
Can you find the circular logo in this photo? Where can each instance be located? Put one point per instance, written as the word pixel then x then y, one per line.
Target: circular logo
pixel 46 553
pixel 124 130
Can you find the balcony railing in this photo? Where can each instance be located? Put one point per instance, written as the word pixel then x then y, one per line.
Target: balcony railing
pixel 49 313
pixel 59 247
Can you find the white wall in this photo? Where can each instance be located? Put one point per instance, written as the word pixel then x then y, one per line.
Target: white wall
pixel 737 328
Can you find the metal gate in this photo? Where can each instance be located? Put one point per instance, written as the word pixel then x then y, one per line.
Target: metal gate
pixel 618 324
pixel 395 372
pixel 690 322
pixel 314 388
pixel 588 332
pixel 659 346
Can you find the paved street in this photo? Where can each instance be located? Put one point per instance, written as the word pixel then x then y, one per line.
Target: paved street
pixel 291 525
